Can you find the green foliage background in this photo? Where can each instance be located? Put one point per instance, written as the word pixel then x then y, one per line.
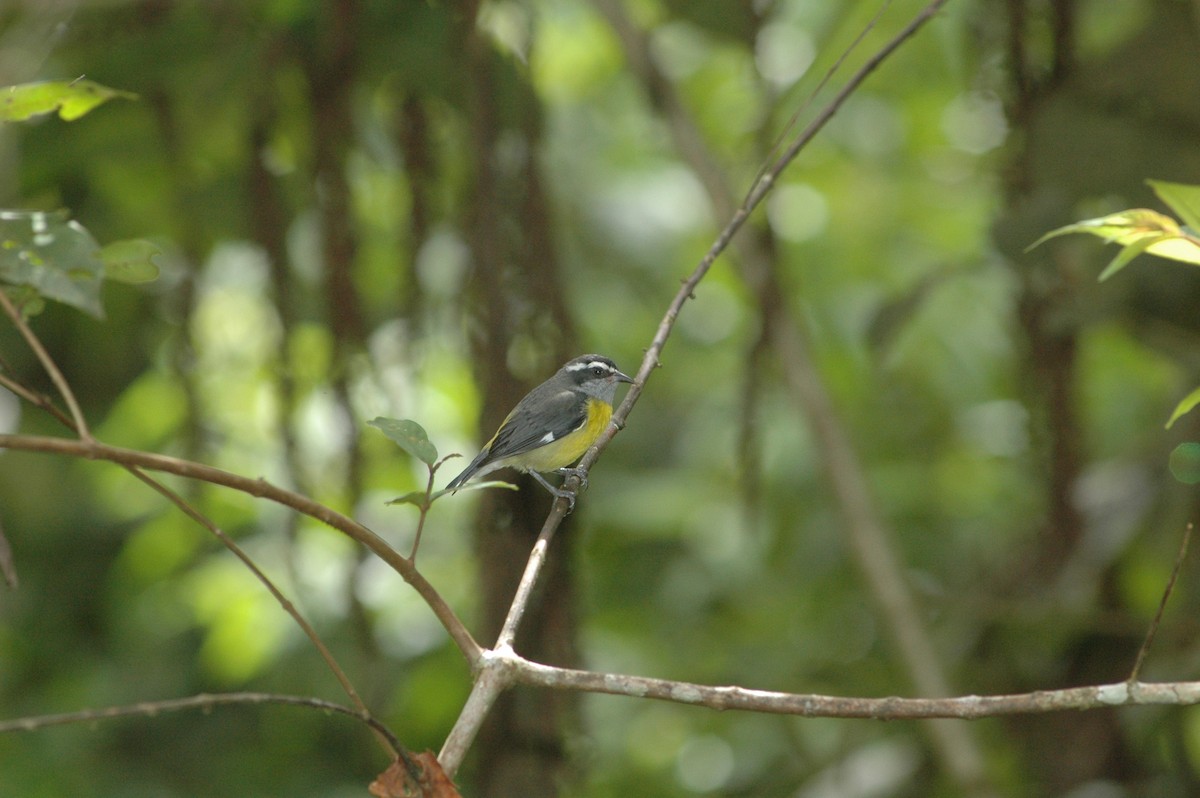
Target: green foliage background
pixel 307 170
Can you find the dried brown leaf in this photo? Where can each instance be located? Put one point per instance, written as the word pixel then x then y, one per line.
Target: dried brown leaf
pixel 398 782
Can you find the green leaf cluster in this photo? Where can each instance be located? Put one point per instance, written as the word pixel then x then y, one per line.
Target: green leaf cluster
pixel 47 255
pixel 1138 231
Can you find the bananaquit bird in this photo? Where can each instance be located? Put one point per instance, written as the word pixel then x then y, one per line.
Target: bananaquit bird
pixel 553 425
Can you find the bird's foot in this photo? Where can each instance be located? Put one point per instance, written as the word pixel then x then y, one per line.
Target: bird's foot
pixel 559 493
pixel 569 496
pixel 575 472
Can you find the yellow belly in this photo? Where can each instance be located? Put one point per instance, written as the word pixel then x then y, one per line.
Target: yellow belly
pixel 569 448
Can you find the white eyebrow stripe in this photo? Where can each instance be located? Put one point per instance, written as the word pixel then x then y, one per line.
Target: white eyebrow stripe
pixel 589 365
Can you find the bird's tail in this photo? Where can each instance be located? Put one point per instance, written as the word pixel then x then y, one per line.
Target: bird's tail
pixel 468 472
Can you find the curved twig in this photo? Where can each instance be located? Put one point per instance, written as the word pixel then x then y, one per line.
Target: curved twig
pixel 94 450
pixel 202 701
pixel 56 376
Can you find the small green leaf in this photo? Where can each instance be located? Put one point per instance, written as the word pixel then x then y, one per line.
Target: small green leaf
pixel 1189 401
pixel 1185 463
pixel 130 261
pixel 71 99
pixel 1182 198
pixel 409 435
pixel 416 498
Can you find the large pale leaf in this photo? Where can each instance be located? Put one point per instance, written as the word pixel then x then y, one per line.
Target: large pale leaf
pixel 1137 231
pixel 53 255
pixel 71 99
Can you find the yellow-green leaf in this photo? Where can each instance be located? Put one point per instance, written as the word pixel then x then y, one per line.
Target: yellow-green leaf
pixel 1125 227
pixel 71 99
pixel 1182 198
pixel 1127 253
pixel 1138 230
pixel 1188 402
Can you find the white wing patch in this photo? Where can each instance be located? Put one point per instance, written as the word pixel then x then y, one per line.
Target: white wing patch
pixel 547 438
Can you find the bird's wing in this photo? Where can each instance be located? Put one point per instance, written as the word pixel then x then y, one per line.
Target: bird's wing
pixel 524 430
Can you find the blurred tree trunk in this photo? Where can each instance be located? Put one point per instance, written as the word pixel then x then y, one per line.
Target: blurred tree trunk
pixel 1089 744
pixel 517 317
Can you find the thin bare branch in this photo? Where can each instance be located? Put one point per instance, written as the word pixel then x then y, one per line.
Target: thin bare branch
pixel 330 662
pixel 94 450
pixel 493 675
pixel 506 667
pixel 969 707
pixel 533 568
pixel 77 423
pixel 424 510
pixel 203 701
pixel 39 400
pixel 759 191
pixel 56 376
pixel 754 198
pixel 825 79
pixel 6 566
pixel 1162 605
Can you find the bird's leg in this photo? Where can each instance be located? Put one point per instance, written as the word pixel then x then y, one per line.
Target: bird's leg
pixel 558 492
pixel 575 472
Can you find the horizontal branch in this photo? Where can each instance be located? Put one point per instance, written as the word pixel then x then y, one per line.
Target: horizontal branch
pixel 889 708
pixel 94 450
pixel 204 701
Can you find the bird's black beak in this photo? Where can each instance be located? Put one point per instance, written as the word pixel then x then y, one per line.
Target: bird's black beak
pixel 622 377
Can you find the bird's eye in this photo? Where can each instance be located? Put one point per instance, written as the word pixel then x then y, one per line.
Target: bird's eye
pixel 597 371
